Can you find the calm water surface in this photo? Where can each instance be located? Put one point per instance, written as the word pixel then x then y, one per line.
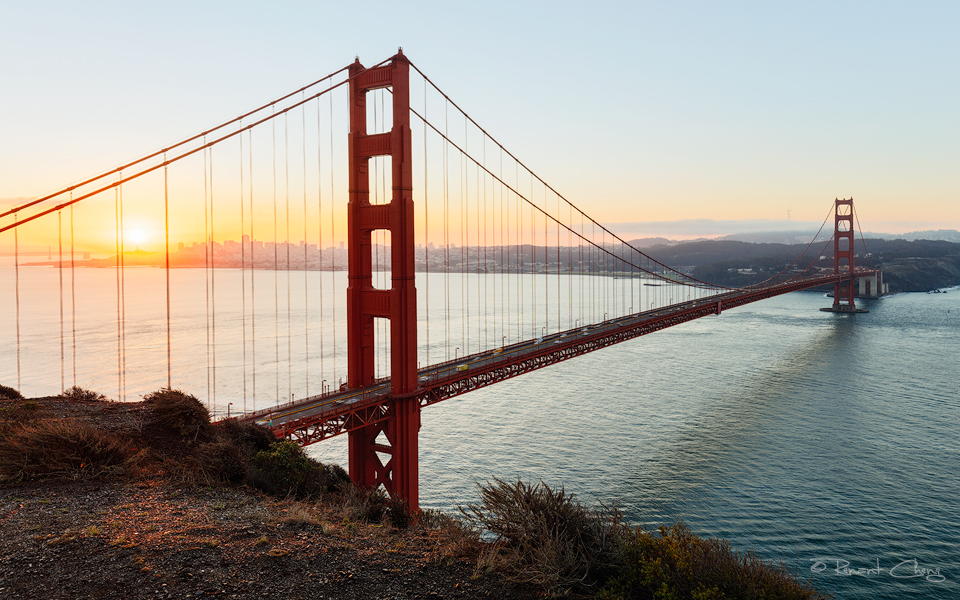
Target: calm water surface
pixel 826 441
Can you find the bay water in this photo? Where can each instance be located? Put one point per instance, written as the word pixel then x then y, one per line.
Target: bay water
pixel 825 441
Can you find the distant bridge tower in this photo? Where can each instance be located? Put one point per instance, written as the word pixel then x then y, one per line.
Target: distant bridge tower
pixel 843 290
pixel 394 436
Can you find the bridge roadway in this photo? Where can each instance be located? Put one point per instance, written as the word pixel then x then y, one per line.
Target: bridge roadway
pixel 325 415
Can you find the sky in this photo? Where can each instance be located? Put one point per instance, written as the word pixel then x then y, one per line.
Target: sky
pixel 639 112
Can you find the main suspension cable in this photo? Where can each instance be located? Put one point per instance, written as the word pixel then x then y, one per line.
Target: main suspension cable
pixel 167 149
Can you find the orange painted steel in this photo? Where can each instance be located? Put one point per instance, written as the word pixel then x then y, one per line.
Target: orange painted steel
pixel 395 434
pixel 326 416
pixel 843 230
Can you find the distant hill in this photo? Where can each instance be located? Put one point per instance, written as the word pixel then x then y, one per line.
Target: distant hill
pixel 804 236
pixel 944 235
pixel 908 266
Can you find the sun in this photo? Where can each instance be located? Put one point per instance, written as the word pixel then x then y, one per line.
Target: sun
pixel 138 236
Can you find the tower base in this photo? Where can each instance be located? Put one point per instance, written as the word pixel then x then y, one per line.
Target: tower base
pixel 844 308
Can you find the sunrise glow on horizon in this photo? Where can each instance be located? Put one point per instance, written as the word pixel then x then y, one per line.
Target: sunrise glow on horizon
pixel 652 119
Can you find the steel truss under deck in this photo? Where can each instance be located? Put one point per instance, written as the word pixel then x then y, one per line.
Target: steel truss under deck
pixel 378 408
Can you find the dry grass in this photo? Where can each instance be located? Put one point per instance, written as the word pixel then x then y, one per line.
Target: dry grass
pixel 64 450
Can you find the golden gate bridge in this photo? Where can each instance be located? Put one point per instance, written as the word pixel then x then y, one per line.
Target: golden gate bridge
pixel 539 280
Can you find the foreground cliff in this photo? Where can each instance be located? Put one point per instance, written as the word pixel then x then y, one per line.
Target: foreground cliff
pixel 151 500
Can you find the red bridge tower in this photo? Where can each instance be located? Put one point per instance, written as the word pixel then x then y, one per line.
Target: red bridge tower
pixel 394 436
pixel 843 289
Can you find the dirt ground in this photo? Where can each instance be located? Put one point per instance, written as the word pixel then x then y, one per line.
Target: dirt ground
pixel 153 538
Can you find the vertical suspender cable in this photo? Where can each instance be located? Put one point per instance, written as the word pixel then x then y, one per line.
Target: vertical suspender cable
pixel 333 238
pixel 446 231
pixel 16 278
pixel 286 193
pixel 207 248
pixel 243 280
pixel 306 297
pixel 166 229
pixel 116 216
pixel 533 259
pixel 73 299
pixel 464 303
pixel 320 239
pixel 485 278
pixel 546 262
pixel 253 276
pixel 276 267
pixel 213 289
pixel 481 323
pixel 63 383
pixel 123 301
pixel 426 223
pixel 580 261
pixel 520 258
pixel 502 259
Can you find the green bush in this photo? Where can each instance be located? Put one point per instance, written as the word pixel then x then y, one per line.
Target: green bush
pixel 63 450
pixel 78 393
pixel 180 413
pixel 9 393
pixel 673 563
pixel 546 537
pixel 285 470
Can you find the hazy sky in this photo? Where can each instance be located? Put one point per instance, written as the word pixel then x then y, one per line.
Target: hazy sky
pixel 638 111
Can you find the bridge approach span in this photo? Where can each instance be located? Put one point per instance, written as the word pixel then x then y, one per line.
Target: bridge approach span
pixel 323 416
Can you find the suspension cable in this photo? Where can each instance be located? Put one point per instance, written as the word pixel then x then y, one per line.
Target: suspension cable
pixel 441 92
pixel 179 157
pixel 167 149
pixel 603 249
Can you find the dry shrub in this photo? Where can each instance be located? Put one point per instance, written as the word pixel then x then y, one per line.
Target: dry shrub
pixel 180 413
pixel 10 393
pixel 78 393
pixel 452 537
pixel 216 462
pixel 675 563
pixel 248 437
pixel 15 415
pixel 63 450
pixel 546 537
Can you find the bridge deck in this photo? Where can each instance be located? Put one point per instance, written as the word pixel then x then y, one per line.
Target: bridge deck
pixel 319 417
